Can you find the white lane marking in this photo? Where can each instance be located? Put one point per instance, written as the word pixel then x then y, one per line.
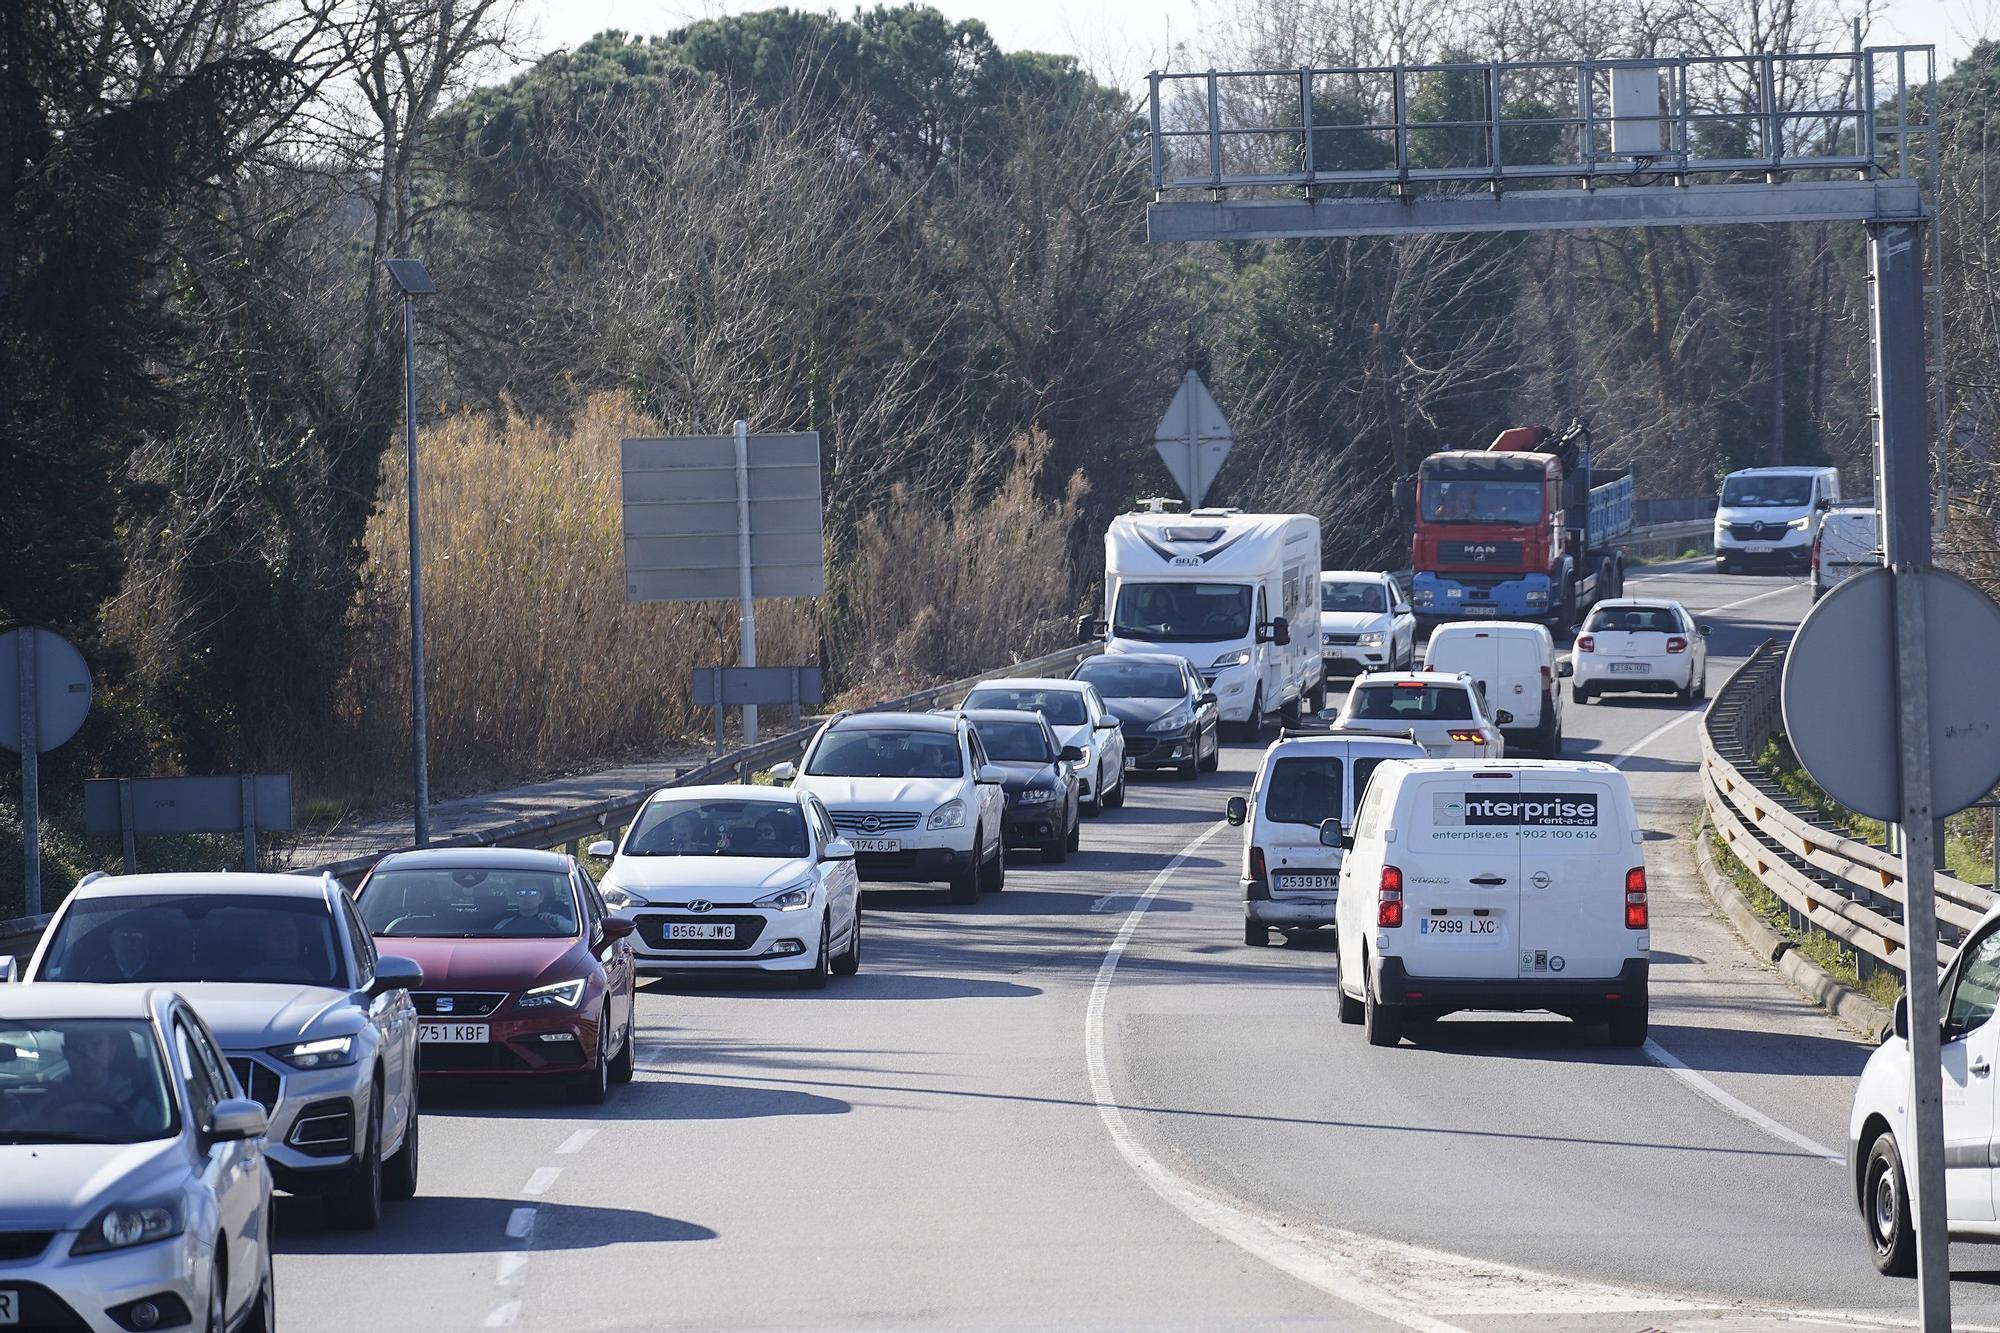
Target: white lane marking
pixel 541 1180
pixel 504 1314
pixel 521 1223
pixel 1743 1111
pixel 575 1142
pixel 511 1266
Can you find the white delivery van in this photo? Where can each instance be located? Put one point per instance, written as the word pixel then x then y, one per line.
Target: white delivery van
pixel 1850 541
pixel 1289 875
pixel 1224 589
pixel 1770 515
pixel 1469 884
pixel 1514 664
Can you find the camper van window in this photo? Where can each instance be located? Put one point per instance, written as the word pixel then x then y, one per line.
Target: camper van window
pixel 1182 612
pixel 1783 491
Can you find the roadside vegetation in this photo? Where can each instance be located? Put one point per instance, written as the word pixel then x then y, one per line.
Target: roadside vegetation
pixel 1968 851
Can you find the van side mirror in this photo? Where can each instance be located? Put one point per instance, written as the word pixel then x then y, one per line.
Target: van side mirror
pixel 602 848
pixel 1502 716
pixel 782 774
pixel 1332 835
pixel 1404 497
pixel 1278 630
pixel 1899 1018
pixel 1565 669
pixel 1824 504
pixel 1236 811
pixel 1091 627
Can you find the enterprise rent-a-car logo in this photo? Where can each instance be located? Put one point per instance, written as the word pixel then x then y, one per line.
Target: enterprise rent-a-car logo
pixel 1515 810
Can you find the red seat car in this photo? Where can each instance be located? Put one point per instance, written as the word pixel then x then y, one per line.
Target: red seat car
pixel 526 974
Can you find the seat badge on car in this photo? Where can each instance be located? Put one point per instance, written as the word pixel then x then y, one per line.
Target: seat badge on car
pixel 700 905
pixel 444 1004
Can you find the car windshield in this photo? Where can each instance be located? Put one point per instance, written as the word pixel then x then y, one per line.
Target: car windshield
pixel 1410 702
pixel 82 1080
pixel 1015 742
pixel 1304 789
pixel 1350 596
pixel 1182 612
pixel 1063 708
pixel 880 752
pixel 1482 501
pixel 196 937
pixel 1778 492
pixel 470 902
pixel 700 826
pixel 1133 680
pixel 1637 619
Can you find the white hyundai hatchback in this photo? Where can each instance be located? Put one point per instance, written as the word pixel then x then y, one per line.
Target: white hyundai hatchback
pixel 736 878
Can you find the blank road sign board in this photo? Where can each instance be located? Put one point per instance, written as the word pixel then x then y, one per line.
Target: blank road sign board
pixel 680 518
pixel 189 805
pixel 758 685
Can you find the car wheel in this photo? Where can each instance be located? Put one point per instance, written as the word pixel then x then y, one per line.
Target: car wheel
pixel 400 1171
pixel 358 1206
pixel 1256 934
pixel 622 1064
pixel 815 977
pixel 1190 769
pixel 1378 1024
pixel 965 885
pixel 1885 1206
pixel 1115 798
pixel 1579 695
pixel 848 961
pixel 998 879
pixel 217 1320
pixel 1350 1008
pixel 1076 834
pixel 1100 796
pixel 263 1317
pixel 1056 850
pixel 1628 1024
pixel 593 1085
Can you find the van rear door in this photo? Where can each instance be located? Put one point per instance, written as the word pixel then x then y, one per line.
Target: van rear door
pixel 1461 876
pixel 1575 834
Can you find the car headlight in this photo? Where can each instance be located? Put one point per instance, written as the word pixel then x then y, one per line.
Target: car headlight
pixel 791 898
pixel 559 993
pixel 1538 595
pixel 325 1053
pixel 1422 597
pixel 124 1225
pixel 619 899
pixel 949 815
pixel 1241 657
pixel 1037 795
pixel 1800 524
pixel 1370 640
pixel 1178 720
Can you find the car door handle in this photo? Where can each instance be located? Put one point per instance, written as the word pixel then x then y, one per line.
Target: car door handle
pixel 1489 880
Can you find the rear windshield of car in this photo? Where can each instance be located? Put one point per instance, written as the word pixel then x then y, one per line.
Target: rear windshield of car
pixel 1132 680
pixel 694 826
pixel 1411 703
pixel 1634 619
pixel 1014 742
pixel 82 1080
pixel 1063 708
pixel 1304 789
pixel 1347 595
pixel 873 752
pixel 196 937
pixel 470 903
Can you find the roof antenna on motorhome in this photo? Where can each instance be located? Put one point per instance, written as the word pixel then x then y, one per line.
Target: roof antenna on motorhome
pixel 1160 504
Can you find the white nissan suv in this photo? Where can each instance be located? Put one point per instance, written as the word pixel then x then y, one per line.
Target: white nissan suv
pixel 913 794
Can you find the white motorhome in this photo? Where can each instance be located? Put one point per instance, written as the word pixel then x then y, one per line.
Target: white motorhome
pixel 1225 590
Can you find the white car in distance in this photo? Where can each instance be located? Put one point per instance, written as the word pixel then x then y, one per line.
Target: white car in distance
pixel 1641 645
pixel 736 878
pixel 1443 711
pixel 1079 716
pixel 1365 623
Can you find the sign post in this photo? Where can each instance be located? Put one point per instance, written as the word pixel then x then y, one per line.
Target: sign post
pixel 1193 438
pixel 50 687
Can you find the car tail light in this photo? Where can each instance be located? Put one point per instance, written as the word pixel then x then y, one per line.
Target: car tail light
pixel 1586 644
pixel 1815 553
pixel 1409 685
pixel 1635 898
pixel 1470 737
pixel 1389 900
pixel 1677 644
pixel 1258 871
pixel 1548 679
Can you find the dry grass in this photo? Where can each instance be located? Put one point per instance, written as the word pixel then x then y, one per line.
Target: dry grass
pixel 535 661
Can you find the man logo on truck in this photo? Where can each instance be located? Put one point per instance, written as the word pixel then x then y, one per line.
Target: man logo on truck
pixel 1523 810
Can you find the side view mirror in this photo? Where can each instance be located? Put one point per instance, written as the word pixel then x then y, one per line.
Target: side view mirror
pixel 616 928
pixel 1091 627
pixel 393 973
pixel 602 848
pixel 1704 630
pixel 1899 1018
pixel 1503 717
pixel 989 776
pixel 1404 498
pixel 783 773
pixel 1565 669
pixel 840 849
pixel 1281 631
pixel 1236 811
pixel 1107 724
pixel 1204 699
pixel 10 968
pixel 1071 754
pixel 1331 834
pixel 1824 504
pixel 235 1119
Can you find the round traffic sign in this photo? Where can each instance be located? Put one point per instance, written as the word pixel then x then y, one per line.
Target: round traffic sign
pixel 62 688
pixel 1839 693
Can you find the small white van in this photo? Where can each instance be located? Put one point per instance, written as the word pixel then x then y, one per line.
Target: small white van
pixel 1770 515
pixel 1288 875
pixel 1470 884
pixel 1849 542
pixel 1515 666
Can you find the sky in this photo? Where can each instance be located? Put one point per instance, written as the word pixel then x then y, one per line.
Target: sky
pixel 1122 39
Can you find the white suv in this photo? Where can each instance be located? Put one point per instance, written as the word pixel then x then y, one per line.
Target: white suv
pixel 1289 875
pixel 913 794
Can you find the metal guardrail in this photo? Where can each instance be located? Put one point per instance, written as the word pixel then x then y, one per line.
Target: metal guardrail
pixel 1829 882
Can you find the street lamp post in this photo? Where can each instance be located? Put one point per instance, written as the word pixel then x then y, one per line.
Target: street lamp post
pixel 413 280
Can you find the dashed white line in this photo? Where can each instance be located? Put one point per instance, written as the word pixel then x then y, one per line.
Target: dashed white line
pixel 541 1180
pixel 503 1315
pixel 575 1143
pixel 511 1266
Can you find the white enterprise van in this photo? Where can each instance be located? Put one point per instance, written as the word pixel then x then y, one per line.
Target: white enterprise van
pixel 1225 590
pixel 1471 884
pixel 1771 516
